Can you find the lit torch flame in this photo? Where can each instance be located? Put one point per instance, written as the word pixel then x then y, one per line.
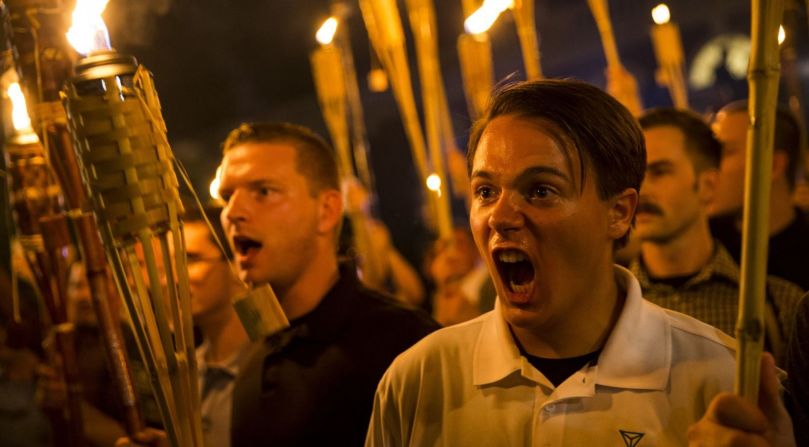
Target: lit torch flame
pixel 782 34
pixel 484 17
pixel 88 32
pixel 661 14
pixel 326 32
pixel 214 186
pixel 19 112
pixel 434 183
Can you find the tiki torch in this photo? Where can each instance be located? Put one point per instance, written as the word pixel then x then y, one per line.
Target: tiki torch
pixel 127 170
pixel 527 33
pixel 668 48
pixel 36 202
pixel 477 71
pixel 385 33
pixel 328 68
pixel 763 76
pixel 36 32
pixel 436 114
pixel 620 83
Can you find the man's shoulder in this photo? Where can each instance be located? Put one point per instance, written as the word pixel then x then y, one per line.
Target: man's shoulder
pixel 370 306
pixel 450 344
pixel 697 335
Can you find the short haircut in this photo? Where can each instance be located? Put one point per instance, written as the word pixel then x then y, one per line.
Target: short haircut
pixel 212 213
pixel 601 131
pixel 314 158
pixel 700 142
pixel 788 135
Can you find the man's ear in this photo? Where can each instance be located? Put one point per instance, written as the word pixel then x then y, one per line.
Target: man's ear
pixel 707 185
pixel 621 212
pixel 330 213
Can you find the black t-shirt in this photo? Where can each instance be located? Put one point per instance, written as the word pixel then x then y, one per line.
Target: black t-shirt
pixel 558 370
pixel 788 256
pixel 797 367
pixel 314 383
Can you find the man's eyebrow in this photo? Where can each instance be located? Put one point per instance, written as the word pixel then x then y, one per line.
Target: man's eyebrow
pixel 529 172
pixel 481 174
pixel 659 164
pixel 543 170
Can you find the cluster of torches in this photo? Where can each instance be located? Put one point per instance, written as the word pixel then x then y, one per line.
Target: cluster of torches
pixel 163 332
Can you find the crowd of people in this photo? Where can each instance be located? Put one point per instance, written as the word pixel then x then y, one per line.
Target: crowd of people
pixel 546 339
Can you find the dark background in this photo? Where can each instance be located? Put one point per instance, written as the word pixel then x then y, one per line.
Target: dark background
pixel 218 63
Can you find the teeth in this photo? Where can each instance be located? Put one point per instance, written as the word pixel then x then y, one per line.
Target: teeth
pixel 516 288
pixel 511 256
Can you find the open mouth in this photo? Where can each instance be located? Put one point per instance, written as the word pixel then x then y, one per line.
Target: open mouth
pixel 516 271
pixel 244 245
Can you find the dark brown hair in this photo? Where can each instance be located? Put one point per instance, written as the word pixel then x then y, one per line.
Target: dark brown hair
pixel 601 131
pixel 702 147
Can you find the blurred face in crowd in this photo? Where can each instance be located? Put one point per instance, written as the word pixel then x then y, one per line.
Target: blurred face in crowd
pixel 731 129
pixel 456 259
pixel 80 304
pixel 210 280
pixel 542 229
pixel 673 196
pixel 272 217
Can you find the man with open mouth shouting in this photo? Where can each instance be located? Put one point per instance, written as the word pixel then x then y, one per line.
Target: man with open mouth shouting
pixel 572 354
pixel 312 384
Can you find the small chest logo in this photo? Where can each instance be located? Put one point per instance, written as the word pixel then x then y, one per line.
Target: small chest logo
pixel 631 438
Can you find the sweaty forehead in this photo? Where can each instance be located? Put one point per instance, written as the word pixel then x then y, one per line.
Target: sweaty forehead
pixel 513 143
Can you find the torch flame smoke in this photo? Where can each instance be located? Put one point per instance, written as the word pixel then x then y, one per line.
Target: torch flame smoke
pixel 88 32
pixel 19 111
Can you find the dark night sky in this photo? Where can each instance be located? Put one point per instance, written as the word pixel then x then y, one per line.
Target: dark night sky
pixel 219 62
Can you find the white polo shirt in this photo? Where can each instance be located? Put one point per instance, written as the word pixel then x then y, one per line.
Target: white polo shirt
pixel 468 385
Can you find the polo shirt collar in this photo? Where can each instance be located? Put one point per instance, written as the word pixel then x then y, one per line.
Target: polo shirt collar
pixel 332 314
pixel 637 353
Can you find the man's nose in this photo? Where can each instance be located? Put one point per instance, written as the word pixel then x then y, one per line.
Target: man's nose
pixel 507 214
pixel 235 209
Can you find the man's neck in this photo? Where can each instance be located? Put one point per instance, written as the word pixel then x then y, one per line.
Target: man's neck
pixel 311 286
pixel 225 336
pixel 685 255
pixel 586 328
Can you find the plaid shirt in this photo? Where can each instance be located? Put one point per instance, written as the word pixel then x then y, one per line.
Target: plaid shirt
pixel 712 295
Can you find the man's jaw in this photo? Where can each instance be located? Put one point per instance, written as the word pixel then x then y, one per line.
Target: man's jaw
pixel 515 271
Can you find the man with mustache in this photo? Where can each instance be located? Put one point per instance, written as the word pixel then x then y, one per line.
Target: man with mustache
pixel 572 354
pixel 681 266
pixel 312 384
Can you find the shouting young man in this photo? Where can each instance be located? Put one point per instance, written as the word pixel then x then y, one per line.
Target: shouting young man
pixel 572 354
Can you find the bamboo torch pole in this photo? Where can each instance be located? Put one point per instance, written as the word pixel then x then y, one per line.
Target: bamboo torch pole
pixel 669 53
pixel 359 135
pixel 331 85
pixel 385 32
pixel 423 24
pixel 477 70
pixel 527 33
pixel 763 77
pixel 620 83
